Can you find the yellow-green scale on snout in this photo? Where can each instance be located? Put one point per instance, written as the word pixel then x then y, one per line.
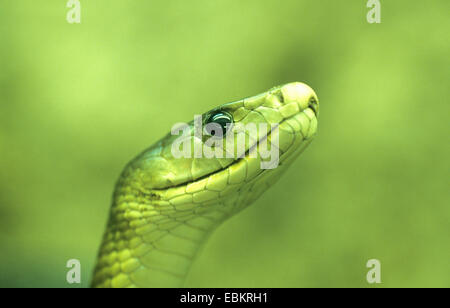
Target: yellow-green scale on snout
pixel 164 207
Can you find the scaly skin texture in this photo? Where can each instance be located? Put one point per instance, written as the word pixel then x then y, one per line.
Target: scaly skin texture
pixel 164 207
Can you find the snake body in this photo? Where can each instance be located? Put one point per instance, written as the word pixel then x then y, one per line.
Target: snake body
pixel 164 207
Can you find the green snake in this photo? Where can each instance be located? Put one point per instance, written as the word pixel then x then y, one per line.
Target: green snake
pixel 165 207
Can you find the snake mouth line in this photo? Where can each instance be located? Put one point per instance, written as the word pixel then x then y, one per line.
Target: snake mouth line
pixel 313 106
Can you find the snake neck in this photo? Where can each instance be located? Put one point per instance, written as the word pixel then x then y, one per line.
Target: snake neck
pixel 152 242
pixel 148 244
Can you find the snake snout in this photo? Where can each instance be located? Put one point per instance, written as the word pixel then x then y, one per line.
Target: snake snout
pixel 302 94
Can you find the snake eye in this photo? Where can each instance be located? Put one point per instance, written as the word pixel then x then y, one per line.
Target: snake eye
pixel 218 123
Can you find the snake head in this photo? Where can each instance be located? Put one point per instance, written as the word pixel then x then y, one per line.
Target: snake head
pixel 241 153
pixel 170 198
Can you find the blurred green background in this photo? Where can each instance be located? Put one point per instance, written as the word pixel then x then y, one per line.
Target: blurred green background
pixel 78 101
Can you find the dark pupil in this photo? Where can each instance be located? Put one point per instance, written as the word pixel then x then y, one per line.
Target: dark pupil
pixel 222 119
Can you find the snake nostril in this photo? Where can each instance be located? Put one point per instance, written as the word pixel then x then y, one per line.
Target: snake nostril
pixel 313 105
